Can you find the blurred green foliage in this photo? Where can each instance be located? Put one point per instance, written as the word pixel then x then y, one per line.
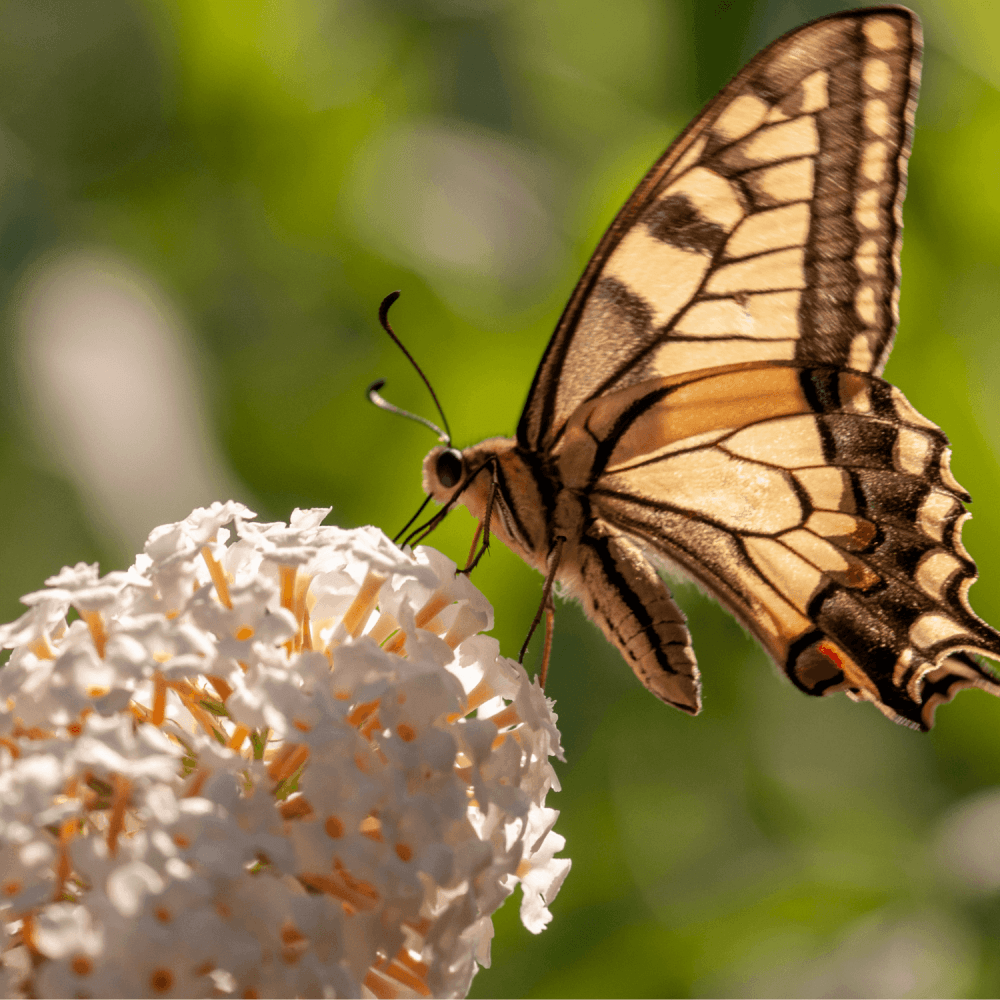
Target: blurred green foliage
pixel 277 168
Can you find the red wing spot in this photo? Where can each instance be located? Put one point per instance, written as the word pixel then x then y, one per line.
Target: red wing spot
pixel 831 653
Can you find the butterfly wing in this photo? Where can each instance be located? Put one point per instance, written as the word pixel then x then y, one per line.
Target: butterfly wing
pixel 769 230
pixel 712 390
pixel 817 505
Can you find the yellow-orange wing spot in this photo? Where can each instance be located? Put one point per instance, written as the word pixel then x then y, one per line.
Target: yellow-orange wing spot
pixel 855 393
pixel 852 533
pixel 875 161
pixel 779 269
pixel 784 141
pixel 776 229
pixel 815 92
pixel 866 209
pixel 706 481
pixel 876 74
pixel 847 570
pixel 675 356
pixel 663 276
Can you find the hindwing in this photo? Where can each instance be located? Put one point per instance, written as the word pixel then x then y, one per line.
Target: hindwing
pixel 818 506
pixel 770 230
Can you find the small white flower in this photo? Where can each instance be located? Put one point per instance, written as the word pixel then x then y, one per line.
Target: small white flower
pixel 275 761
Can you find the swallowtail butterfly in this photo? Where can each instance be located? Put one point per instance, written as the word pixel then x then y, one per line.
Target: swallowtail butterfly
pixel 711 400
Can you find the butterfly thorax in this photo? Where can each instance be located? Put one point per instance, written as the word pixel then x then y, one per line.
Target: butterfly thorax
pixel 530 506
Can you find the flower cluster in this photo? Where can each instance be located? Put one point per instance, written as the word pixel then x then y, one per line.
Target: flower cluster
pixel 273 761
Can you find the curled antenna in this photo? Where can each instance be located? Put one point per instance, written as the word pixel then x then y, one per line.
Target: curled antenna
pixel 383 318
pixel 384 404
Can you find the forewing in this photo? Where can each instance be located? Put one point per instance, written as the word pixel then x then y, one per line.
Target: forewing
pixel 769 230
pixel 818 506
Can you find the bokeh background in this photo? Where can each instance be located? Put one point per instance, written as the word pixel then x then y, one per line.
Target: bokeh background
pixel 202 204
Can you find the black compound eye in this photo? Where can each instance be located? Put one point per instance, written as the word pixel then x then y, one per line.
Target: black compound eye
pixel 449 467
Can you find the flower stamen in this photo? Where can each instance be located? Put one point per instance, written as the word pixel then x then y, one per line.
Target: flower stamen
pixel 98 632
pixel 363 605
pixel 218 575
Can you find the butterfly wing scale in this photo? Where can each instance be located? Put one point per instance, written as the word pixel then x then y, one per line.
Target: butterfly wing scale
pixel 769 230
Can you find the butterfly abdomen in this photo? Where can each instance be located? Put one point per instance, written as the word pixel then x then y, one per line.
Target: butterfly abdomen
pixel 622 593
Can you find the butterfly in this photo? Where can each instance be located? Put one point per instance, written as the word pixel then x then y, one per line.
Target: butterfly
pixel 710 401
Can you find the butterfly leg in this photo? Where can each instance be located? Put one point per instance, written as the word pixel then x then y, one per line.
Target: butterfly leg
pixel 472 548
pixel 550 622
pixel 484 526
pixel 547 608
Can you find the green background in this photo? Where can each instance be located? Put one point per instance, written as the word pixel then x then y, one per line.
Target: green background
pixel 263 174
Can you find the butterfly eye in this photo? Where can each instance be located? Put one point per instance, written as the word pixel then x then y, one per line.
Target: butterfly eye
pixel 449 467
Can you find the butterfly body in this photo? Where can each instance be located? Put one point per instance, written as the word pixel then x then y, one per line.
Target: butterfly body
pixel 711 399
pixel 557 530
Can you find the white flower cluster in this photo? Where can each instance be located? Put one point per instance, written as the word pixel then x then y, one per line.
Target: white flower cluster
pixel 277 761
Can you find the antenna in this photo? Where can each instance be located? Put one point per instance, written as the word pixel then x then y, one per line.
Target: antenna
pixel 384 404
pixel 374 397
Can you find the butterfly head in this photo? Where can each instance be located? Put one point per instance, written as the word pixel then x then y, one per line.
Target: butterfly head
pixel 466 476
pixel 444 469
